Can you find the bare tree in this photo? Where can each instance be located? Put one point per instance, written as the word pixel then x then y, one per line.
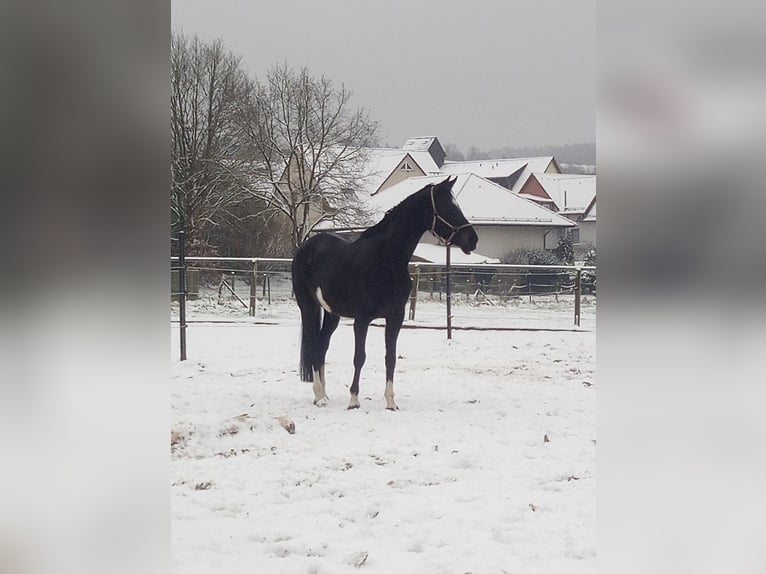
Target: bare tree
pixel 302 130
pixel 453 152
pixel 207 87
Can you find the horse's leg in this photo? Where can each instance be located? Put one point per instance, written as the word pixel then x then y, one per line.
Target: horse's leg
pixel 360 339
pixel 320 396
pixel 393 325
pixel 329 324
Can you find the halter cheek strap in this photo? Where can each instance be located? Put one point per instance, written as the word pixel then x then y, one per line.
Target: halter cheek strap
pixel 438 217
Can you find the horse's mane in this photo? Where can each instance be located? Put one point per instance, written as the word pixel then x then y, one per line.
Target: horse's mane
pixel 392 215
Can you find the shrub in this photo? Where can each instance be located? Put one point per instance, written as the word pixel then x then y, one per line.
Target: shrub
pixel 534 256
pixel 565 251
pixel 531 256
pixel 589 277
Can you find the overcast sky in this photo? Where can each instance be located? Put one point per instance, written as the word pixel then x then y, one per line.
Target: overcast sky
pixel 488 73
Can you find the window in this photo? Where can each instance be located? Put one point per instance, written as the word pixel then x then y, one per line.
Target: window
pixel 575 236
pixel 406 166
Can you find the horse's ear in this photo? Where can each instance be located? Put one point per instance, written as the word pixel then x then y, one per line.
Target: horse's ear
pixel 449 182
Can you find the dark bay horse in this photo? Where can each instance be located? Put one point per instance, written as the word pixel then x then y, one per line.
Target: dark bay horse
pixel 368 279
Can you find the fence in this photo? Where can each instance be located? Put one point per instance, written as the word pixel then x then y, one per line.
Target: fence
pixel 233 288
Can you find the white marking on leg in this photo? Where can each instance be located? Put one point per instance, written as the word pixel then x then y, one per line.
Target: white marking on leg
pixel 354 402
pixel 321 300
pixel 389 394
pixel 321 378
pixel 320 397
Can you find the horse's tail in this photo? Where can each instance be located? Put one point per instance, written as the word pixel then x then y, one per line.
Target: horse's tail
pixel 310 319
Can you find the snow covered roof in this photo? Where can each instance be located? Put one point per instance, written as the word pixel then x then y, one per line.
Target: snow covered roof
pixel 438 254
pixel 522 167
pixel 485 167
pixel 381 162
pixel 425 161
pixel 482 202
pixel 572 193
pixel 428 144
pixel 419 143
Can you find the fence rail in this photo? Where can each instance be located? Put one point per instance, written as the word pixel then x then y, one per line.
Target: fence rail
pixel 253 282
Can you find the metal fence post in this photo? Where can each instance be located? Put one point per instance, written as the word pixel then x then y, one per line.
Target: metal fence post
pixel 182 291
pixel 251 310
pixel 578 290
pixel 449 297
pixel 254 302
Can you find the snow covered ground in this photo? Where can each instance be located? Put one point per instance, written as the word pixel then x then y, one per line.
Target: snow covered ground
pixel 489 466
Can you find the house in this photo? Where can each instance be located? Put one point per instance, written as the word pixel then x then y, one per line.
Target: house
pixel 504 221
pixel 573 196
pixel 424 155
pixel 503 198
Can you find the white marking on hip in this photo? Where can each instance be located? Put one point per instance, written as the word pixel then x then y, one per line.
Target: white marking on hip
pixel 321 300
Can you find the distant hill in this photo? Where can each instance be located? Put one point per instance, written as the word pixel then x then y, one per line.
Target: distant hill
pixel 579 168
pixel 579 157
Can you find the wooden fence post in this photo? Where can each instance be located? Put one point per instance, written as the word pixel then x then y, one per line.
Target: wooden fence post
pixel 529 285
pixel 414 293
pixel 578 290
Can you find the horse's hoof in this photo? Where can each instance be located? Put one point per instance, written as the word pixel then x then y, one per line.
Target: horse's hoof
pixel 321 402
pixel 394 408
pixel 352 407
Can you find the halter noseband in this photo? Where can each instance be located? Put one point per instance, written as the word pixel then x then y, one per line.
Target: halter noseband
pixel 454 229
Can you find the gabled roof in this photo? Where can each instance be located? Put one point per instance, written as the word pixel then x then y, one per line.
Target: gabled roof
pixel 430 144
pixel 571 193
pixel 534 165
pixel 482 202
pixel 425 161
pixel 521 167
pixel 381 162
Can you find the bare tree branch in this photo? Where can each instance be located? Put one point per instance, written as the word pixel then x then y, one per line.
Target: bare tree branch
pixel 304 132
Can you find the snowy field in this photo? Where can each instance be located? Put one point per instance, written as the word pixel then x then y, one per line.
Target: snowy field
pixel 489 466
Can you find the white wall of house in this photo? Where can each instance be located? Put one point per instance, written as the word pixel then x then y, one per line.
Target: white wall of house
pixel 585 232
pixel 588 232
pixel 497 241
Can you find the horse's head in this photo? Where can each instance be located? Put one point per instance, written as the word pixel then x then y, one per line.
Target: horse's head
pixel 448 222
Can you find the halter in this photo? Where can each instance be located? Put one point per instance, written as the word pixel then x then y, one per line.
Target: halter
pixel 454 229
